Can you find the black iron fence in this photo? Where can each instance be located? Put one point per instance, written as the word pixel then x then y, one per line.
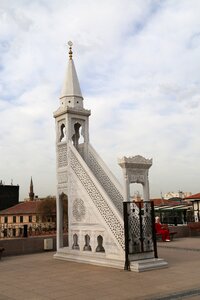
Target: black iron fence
pixel 139 228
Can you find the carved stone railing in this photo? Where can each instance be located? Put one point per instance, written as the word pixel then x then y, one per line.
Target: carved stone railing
pixel 108 181
pixel 105 206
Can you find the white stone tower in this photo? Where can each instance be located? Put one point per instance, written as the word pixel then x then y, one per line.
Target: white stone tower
pixel 95 223
pixel 94 196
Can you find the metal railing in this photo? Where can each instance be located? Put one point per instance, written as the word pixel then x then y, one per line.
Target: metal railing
pixel 139 228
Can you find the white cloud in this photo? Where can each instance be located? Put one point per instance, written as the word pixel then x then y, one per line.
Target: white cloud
pixel 138 66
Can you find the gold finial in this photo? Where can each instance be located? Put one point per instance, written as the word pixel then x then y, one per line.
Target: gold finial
pixel 70 44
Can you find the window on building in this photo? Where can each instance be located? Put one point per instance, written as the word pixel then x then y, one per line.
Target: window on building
pixel 5 219
pixel 21 219
pixel 14 219
pixel 30 219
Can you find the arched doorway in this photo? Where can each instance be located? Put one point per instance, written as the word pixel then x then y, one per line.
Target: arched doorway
pixel 62 221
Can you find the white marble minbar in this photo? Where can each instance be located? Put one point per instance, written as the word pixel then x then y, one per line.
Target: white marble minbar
pixel 92 194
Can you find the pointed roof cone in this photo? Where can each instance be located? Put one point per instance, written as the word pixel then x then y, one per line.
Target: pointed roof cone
pixel 31 194
pixel 71 87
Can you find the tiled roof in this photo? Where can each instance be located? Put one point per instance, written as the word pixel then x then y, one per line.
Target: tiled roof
pixel 160 201
pixel 28 207
pixel 195 196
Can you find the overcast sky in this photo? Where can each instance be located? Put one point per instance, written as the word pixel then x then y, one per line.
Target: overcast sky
pixel 138 63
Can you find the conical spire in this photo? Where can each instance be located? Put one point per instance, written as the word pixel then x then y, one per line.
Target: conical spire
pixel 31 194
pixel 71 93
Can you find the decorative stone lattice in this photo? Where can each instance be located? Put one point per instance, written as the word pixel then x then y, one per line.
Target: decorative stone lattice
pixel 110 218
pixel 106 183
pixel 62 155
pixel 78 210
pixel 147 228
pixel 134 229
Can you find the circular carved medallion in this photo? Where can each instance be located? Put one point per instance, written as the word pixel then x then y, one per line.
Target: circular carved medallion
pixel 78 209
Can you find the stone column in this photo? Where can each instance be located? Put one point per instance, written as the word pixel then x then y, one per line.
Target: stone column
pixel 59 221
pixel 126 188
pixel 146 187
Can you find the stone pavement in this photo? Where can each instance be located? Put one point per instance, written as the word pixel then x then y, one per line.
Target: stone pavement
pixel 40 277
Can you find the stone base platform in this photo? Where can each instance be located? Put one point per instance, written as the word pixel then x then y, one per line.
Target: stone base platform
pixel 148 264
pixel 99 259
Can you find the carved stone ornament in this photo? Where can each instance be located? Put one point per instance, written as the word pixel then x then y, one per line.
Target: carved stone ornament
pixel 137 161
pixel 136 178
pixel 62 155
pixel 78 210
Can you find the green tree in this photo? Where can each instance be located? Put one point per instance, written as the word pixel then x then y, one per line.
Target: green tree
pixel 46 208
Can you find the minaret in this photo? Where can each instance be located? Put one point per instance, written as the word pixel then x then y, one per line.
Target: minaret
pixel 31 194
pixel 72 127
pixel 72 118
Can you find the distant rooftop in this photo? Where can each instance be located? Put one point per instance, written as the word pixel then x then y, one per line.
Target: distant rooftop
pixel 29 207
pixel 193 197
pixel 3 183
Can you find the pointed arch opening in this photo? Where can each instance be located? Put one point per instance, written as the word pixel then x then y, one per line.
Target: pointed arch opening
pixel 75 245
pixel 62 133
pixel 77 137
pixel 100 247
pixel 87 246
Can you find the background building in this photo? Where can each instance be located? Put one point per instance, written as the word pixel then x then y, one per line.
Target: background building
pixel 28 218
pixel 179 194
pixel 174 211
pixel 9 195
pixel 195 200
pixel 34 216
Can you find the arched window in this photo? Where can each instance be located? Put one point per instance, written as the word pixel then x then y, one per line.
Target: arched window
pixel 62 133
pixel 87 246
pixel 75 245
pixel 100 247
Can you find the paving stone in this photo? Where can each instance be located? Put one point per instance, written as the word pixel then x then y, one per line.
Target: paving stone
pixel 41 277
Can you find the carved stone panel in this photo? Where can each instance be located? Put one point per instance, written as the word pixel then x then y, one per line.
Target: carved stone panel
pixel 62 177
pixel 62 155
pixel 136 177
pixel 78 210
